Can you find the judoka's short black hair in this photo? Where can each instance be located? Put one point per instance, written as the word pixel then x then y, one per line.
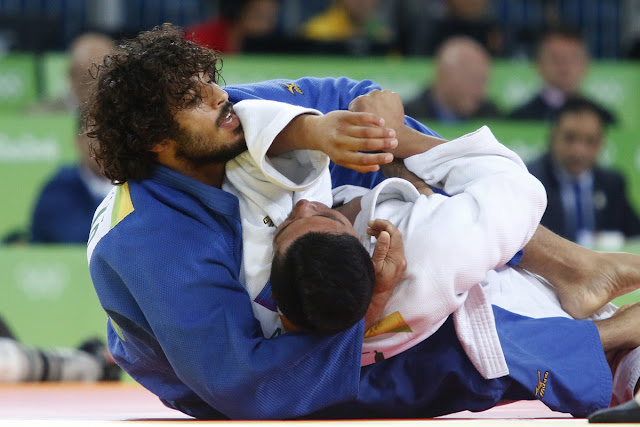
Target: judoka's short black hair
pixel 323 283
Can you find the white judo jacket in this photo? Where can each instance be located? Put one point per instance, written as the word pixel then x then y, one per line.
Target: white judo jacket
pixel 451 243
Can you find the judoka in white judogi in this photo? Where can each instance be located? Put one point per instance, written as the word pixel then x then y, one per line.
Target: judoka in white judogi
pixel 455 246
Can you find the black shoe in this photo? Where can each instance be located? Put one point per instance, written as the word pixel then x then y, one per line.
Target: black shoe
pixel 95 347
pixel 628 412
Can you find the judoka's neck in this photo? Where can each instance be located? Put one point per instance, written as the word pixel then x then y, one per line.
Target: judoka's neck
pixel 350 209
pixel 211 174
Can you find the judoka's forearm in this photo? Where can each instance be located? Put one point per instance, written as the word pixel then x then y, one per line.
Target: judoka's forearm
pixel 343 136
pixel 397 169
pixel 388 105
pixel 412 142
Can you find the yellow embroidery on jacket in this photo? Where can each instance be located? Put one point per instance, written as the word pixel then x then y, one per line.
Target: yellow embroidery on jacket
pixel 291 87
pixel 393 323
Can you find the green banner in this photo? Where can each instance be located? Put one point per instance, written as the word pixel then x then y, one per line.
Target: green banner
pixel 47 295
pixel 529 139
pixel 31 149
pixel 18 84
pixel 614 84
pixel 55 75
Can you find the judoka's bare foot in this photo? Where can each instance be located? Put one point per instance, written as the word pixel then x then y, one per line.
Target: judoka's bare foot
pixel 602 277
pixel 585 280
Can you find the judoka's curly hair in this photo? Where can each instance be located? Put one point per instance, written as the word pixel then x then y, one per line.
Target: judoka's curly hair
pixel 138 90
pixel 323 282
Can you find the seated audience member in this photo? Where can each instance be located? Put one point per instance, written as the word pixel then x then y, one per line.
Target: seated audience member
pixel 66 204
pixel 459 89
pixel 64 208
pixel 468 18
pixel 84 50
pixel 563 61
pixel 350 21
pixel 20 362
pixel 584 200
pixel 237 21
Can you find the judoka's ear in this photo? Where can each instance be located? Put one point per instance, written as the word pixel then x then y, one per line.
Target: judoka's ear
pixel 162 146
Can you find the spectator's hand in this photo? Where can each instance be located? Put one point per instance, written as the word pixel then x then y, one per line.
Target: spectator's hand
pixel 389 262
pixel 343 135
pixel 385 104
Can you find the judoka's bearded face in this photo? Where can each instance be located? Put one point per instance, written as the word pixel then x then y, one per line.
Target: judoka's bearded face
pixel 308 217
pixel 210 130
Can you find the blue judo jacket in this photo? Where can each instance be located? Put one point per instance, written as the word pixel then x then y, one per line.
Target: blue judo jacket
pixel 164 257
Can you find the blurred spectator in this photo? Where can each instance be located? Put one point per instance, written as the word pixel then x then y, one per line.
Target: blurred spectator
pixel 563 60
pixel 469 18
pixel 237 21
pixel 20 362
pixel 459 90
pixel 84 50
pixel 631 29
pixel 586 203
pixel 65 207
pixel 349 21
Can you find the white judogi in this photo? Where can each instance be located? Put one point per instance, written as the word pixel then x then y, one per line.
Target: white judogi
pixel 451 243
pixel 481 175
pixel 268 188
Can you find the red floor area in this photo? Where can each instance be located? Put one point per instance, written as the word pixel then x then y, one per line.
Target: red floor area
pixel 120 401
pixel 129 401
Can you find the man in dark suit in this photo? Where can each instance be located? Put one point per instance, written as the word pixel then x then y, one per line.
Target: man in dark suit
pixel 583 199
pixel 563 61
pixel 459 88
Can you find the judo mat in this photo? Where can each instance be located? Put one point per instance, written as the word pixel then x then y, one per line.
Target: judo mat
pixel 129 404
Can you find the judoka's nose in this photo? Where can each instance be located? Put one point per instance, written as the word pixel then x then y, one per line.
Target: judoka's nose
pixel 303 209
pixel 218 96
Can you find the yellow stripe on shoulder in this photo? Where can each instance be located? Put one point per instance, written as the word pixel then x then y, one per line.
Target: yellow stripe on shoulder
pixel 122 206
